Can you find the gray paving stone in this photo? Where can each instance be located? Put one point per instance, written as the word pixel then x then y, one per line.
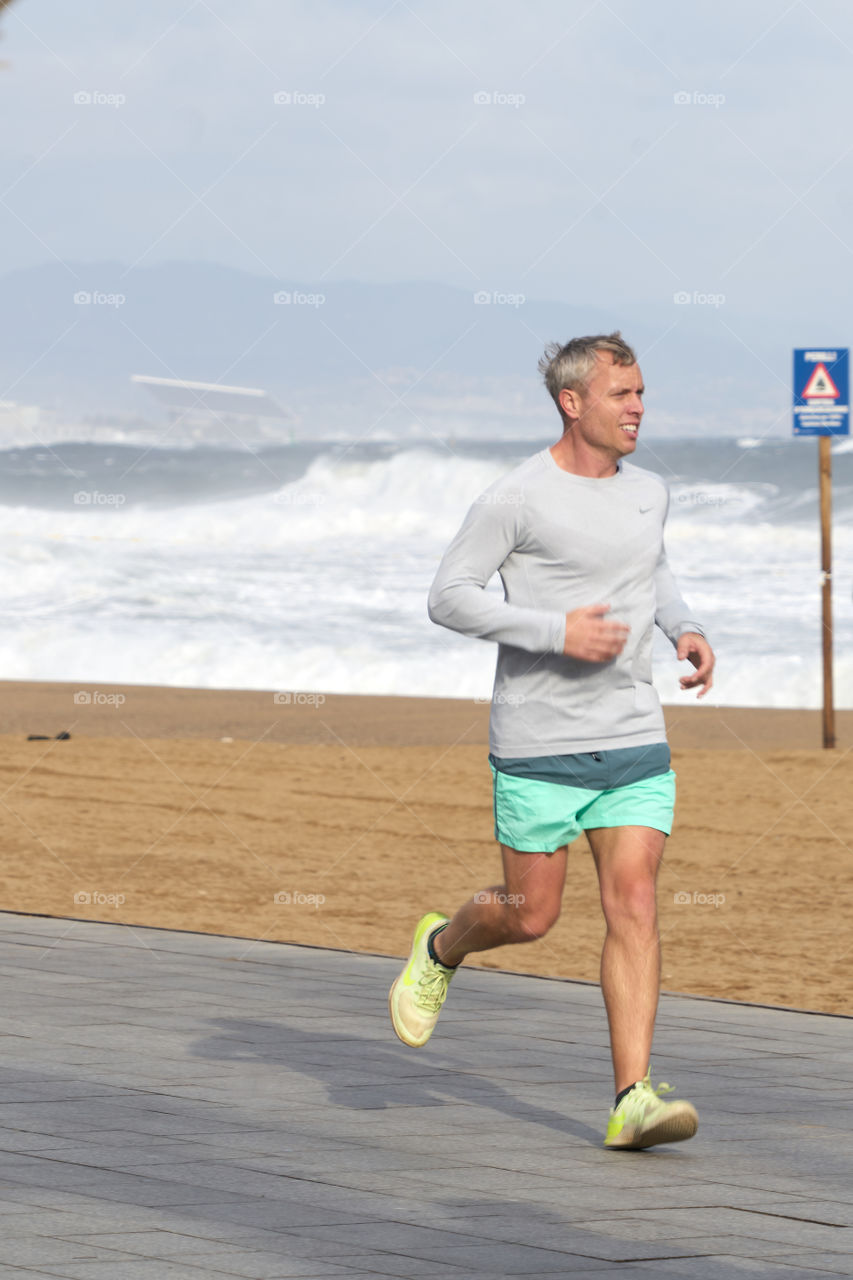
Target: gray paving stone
pixel 207 1106
pixel 158 1243
pixel 837 1263
pixel 834 1213
pixel 260 1265
pixel 283 1242
pixel 153 1268
pixel 34 1251
pixel 727 1245
pixel 383 1264
pixel 774 1227
pixel 728 1269
pixel 570 1264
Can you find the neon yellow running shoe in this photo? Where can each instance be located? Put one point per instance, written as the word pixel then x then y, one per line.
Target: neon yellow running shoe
pixel 642 1119
pixel 416 997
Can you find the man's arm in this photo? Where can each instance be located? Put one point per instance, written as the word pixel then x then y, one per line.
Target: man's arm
pixel 675 619
pixel 458 597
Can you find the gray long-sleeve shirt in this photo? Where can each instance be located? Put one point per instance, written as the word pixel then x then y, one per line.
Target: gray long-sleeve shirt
pixel 559 541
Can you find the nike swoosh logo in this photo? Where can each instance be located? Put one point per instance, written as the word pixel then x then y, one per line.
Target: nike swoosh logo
pixel 643 510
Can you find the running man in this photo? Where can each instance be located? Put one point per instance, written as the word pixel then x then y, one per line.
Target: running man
pixel 577 736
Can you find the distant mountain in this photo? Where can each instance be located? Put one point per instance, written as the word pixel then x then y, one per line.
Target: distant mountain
pixel 350 357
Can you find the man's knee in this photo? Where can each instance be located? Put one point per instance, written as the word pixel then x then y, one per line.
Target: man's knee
pixel 630 902
pixel 533 920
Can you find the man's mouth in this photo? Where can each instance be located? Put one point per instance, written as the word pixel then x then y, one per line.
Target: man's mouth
pixel 632 428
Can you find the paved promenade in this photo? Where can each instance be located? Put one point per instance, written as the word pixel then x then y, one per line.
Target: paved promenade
pixel 181 1106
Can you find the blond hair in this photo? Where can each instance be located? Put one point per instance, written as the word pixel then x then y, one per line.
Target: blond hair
pixel 567 367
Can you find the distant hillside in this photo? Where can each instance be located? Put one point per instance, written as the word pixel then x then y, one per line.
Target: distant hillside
pixel 350 357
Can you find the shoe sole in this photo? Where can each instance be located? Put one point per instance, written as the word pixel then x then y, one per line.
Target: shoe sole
pixel 413 1044
pixel 670 1128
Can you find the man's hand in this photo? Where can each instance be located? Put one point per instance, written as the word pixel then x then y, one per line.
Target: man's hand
pixel 696 650
pixel 592 639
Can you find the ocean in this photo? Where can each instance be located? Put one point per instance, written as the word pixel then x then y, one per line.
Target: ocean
pixel 306 566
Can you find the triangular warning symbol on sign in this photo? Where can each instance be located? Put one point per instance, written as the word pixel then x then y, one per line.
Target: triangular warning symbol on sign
pixel 820 386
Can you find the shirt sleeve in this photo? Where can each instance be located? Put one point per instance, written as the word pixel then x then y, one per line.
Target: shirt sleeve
pixel 458 598
pixel 672 613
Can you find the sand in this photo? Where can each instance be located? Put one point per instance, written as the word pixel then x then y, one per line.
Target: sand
pixel 336 822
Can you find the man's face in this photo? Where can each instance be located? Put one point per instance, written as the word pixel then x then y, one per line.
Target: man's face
pixel 607 415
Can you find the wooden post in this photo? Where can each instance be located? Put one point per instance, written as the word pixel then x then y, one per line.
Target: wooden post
pixel 825 474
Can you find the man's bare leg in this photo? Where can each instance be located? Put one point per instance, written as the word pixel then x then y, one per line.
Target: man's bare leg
pixel 627 861
pixel 521 909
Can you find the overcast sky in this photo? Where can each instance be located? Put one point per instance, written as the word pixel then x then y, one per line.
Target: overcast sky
pixel 618 152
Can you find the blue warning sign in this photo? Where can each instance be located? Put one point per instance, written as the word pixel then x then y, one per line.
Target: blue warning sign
pixel 821 391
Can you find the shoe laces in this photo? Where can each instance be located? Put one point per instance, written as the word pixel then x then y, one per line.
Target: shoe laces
pixel 432 988
pixel 662 1088
pixel 643 1096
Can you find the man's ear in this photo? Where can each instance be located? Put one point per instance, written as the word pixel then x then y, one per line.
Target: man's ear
pixel 570 404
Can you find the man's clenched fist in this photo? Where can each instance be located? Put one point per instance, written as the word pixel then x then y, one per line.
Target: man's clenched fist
pixel 592 638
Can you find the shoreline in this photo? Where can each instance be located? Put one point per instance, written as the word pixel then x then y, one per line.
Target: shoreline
pixel 303 717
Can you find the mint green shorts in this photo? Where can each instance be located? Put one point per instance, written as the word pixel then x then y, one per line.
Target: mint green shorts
pixel 540 817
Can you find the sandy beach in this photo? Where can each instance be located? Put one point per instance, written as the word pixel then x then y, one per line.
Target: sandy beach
pixel 337 820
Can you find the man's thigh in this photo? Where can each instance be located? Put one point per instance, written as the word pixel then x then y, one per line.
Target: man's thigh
pixel 535 880
pixel 625 855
